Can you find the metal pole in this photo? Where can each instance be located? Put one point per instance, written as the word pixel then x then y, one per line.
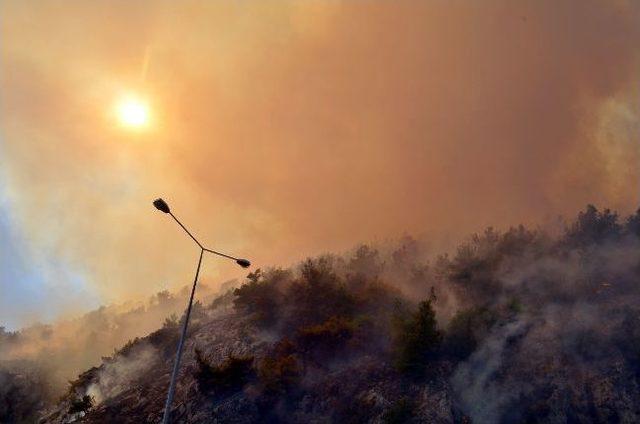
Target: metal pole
pixel 176 365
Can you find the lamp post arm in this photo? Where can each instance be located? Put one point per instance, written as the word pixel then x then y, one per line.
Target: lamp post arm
pixel 219 254
pixel 244 263
pixel 187 231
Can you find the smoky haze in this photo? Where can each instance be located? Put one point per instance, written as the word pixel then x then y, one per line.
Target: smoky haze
pixel 283 129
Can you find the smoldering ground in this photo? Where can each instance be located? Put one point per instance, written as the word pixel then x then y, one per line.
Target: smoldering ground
pixel 61 350
pixel 572 337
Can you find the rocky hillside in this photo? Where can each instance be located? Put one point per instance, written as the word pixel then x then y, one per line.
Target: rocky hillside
pixel 131 387
pixel 519 326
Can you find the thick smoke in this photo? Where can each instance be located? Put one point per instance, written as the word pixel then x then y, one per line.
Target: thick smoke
pixel 569 347
pixel 60 351
pixel 116 376
pixel 483 400
pixel 287 128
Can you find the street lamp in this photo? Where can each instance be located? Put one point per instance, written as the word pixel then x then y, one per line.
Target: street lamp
pixel 162 206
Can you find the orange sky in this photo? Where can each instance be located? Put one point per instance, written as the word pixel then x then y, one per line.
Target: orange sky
pixel 282 129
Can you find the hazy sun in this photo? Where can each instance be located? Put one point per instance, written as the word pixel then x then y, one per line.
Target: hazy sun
pixel 132 112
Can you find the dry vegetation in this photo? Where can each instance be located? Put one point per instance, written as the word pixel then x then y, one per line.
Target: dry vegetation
pixel 515 326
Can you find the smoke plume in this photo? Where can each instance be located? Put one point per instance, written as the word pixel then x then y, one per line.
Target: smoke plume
pixel 282 129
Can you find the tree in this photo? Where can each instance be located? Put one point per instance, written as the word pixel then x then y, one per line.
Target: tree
pixel 466 330
pixel 593 227
pixel 259 297
pixel 417 339
pixel 633 224
pixel 318 295
pixel 366 261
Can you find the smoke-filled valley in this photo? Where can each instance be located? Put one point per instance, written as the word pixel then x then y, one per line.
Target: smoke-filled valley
pixel 514 325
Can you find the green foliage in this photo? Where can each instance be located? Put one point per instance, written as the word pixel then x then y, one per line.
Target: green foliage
pixel 366 261
pixel 466 330
pixel 280 372
pixel 327 338
pixel 260 298
pixel 83 404
pixel 318 295
pixel 632 225
pixel 223 300
pixel 417 339
pixel 515 306
pixel 229 376
pixel 401 412
pixel 593 227
pixel 474 266
pixel 478 264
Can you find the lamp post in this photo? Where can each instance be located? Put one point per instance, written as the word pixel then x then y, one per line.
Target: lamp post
pixel 162 206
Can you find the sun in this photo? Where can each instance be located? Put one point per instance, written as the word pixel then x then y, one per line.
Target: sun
pixel 133 112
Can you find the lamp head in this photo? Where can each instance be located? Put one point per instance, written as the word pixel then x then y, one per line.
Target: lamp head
pixel 161 205
pixel 243 263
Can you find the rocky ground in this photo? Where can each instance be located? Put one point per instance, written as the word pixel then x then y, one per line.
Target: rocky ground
pixel 353 391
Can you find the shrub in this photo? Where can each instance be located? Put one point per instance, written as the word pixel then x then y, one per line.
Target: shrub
pixel 326 338
pixel 260 298
pixel 171 321
pixel 223 301
pixel 318 295
pixel 229 376
pixel 82 404
pixel 372 297
pixel 466 330
pixel 280 371
pixel 165 339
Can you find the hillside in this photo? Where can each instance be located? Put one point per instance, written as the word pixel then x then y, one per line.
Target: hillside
pixel 515 326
